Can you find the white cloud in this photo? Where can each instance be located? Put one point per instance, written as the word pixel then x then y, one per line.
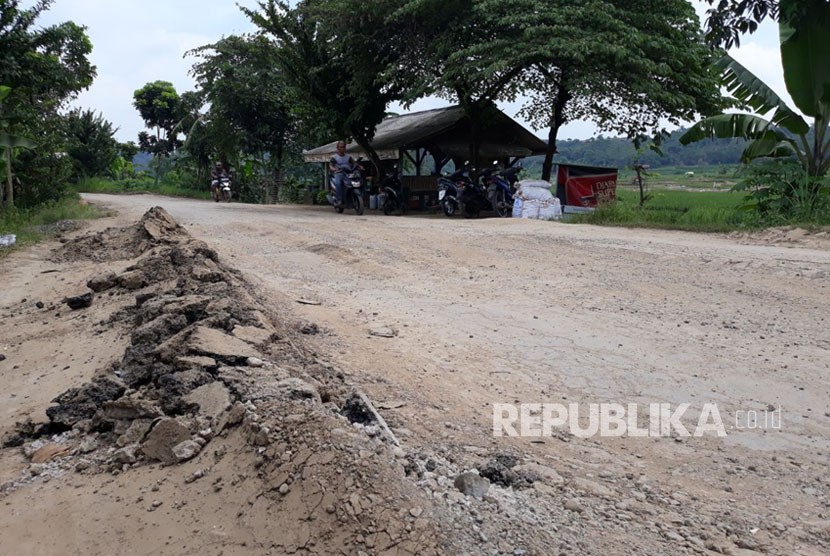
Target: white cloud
pixel 138 42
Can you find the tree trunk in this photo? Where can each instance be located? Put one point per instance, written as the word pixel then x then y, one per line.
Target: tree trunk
pixel 8 202
pixel 278 177
pixel 473 112
pixel 158 156
pixel 364 144
pixel 267 196
pixel 558 119
pixel 640 182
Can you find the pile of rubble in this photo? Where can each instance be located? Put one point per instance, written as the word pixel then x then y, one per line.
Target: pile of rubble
pixel 207 360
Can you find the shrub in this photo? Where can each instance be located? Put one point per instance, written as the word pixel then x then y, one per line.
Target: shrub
pixel 782 192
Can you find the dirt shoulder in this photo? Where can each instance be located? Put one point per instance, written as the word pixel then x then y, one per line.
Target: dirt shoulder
pixel 479 312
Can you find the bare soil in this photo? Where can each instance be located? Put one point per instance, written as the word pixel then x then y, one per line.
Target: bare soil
pixel 434 320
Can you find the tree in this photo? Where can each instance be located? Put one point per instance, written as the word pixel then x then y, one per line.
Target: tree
pixel 450 53
pixel 90 143
pixel 240 78
pixel 8 143
pixel 160 108
pixel 337 58
pixel 626 65
pixel 44 67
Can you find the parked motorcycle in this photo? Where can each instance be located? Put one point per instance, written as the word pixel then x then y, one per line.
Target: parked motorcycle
pixel 354 186
pixel 474 197
pixel 501 187
pixel 450 188
pixel 220 189
pixel 391 194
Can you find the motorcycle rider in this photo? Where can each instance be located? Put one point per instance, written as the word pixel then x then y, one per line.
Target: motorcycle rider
pixel 217 174
pixel 340 164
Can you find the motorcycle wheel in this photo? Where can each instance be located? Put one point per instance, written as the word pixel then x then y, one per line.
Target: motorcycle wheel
pixel 471 210
pixel 501 206
pixel 448 208
pixel 226 196
pixel 358 204
pixel 392 207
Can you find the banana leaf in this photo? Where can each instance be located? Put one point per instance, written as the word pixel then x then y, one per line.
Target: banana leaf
pixel 772 143
pixel 750 90
pixel 805 52
pixel 8 141
pixel 726 126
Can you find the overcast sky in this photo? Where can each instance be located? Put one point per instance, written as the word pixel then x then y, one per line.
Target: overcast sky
pixel 135 42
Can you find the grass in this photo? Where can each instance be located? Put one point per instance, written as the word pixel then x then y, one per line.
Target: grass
pixel 138 185
pixel 31 226
pixel 677 210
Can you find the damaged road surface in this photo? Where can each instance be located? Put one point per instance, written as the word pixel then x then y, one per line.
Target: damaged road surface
pixel 165 392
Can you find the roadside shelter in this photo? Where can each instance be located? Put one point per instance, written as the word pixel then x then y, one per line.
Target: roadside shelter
pixel 423 143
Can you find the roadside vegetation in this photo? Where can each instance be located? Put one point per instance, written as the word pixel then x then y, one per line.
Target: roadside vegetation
pixel 45 220
pixel 676 210
pixel 166 186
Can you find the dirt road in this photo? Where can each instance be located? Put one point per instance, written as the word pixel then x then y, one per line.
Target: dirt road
pixel 492 311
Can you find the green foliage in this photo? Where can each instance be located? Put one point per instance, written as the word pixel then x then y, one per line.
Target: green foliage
pixel 249 106
pixel 617 152
pixel 91 144
pixel 161 109
pixel 337 58
pixel 41 69
pixel 676 210
pixel 107 185
pixel 729 19
pixel 172 184
pixel 627 66
pixel 791 185
pixel 293 191
pixel 120 169
pixel 784 133
pixel 159 105
pixel 28 224
pixel 781 192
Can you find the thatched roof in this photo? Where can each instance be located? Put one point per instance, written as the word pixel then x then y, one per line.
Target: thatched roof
pixel 447 129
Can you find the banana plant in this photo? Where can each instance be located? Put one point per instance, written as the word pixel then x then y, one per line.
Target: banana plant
pixel 805 45
pixel 8 143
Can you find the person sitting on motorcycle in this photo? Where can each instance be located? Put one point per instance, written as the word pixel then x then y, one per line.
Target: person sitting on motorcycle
pixel 340 164
pixel 217 174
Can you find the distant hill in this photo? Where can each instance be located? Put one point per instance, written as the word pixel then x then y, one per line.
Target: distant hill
pixel 620 153
pixel 141 161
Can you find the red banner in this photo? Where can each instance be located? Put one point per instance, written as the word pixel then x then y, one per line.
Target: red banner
pixel 585 186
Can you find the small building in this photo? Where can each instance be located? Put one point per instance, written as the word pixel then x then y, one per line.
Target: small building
pixel 423 143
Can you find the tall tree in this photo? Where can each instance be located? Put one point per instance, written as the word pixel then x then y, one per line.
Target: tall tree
pixel 240 78
pixel 45 68
pixel 8 144
pixel 90 143
pixel 160 108
pixel 449 53
pixel 337 57
pixel 626 65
